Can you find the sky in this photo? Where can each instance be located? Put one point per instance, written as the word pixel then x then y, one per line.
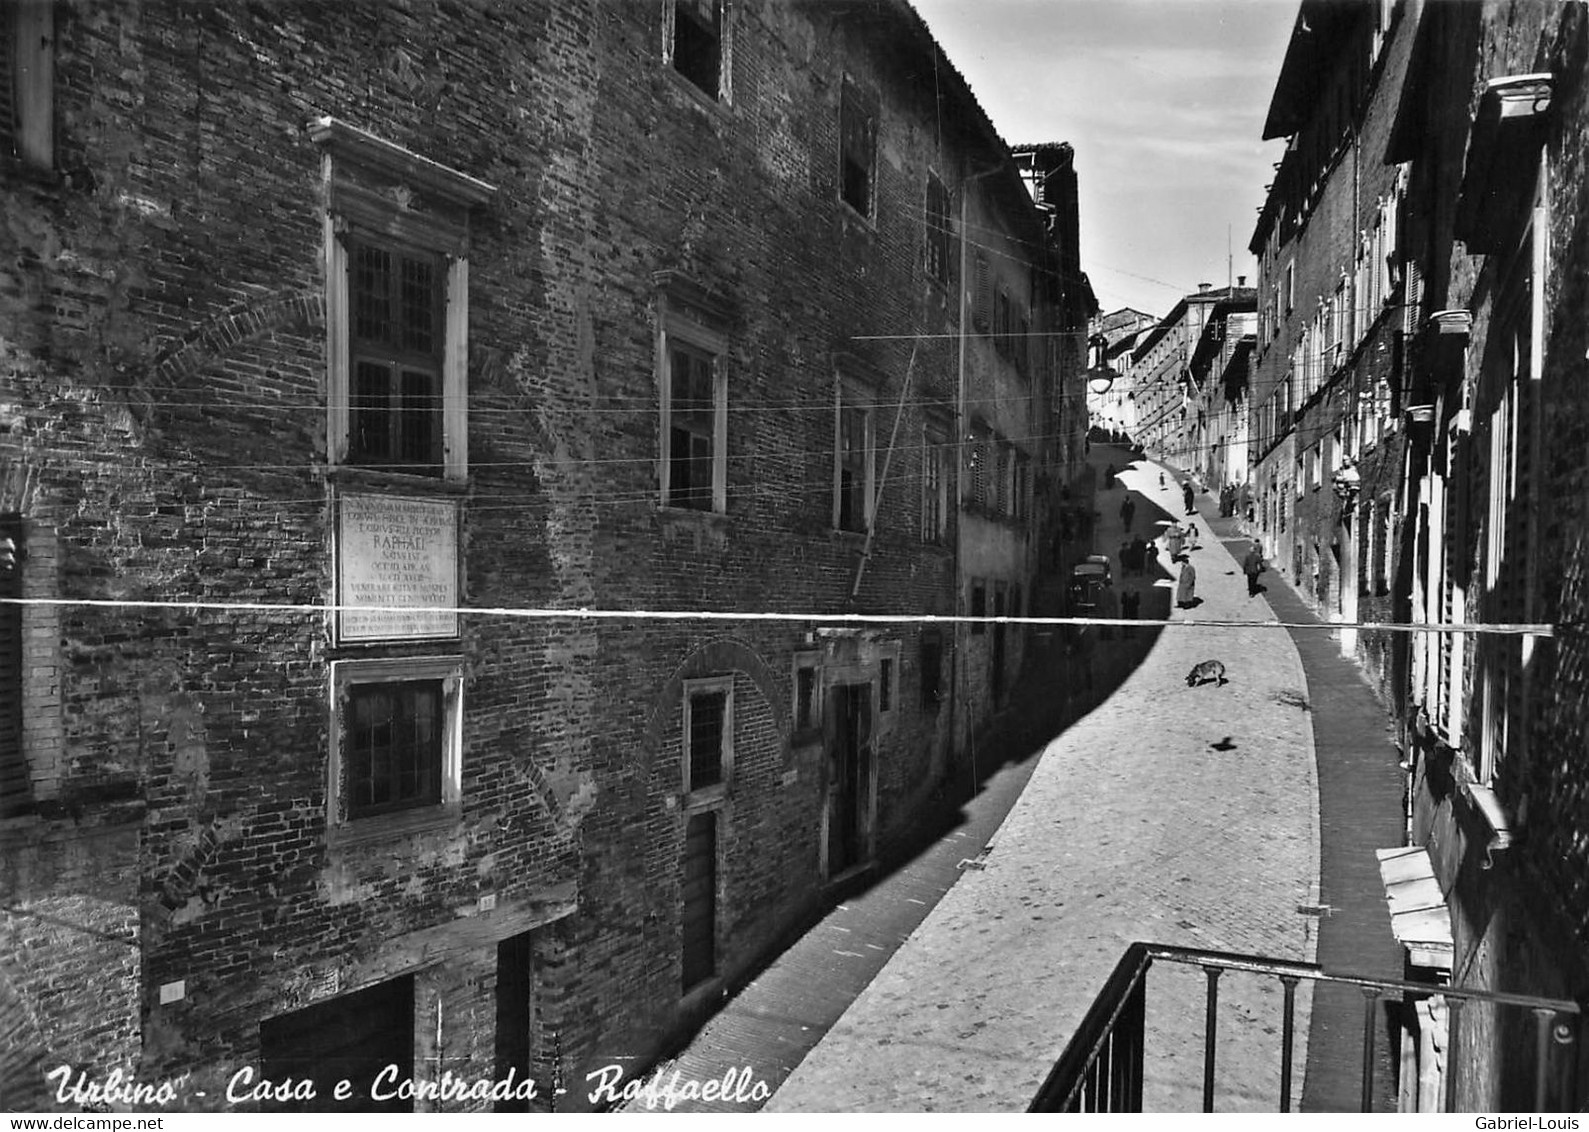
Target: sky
pixel 1164 102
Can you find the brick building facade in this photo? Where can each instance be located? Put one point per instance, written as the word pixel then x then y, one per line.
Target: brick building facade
pixel 639 308
pixel 1333 314
pixel 1421 460
pixel 1494 134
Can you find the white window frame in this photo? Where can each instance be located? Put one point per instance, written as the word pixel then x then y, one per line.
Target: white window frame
pixel 715 791
pixel 345 674
pixel 359 212
pixel 676 325
pixel 848 396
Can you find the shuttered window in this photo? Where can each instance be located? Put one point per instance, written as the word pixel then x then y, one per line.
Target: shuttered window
pixel 15 792
pixel 937 230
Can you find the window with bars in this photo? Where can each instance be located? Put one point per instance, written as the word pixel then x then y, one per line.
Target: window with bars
pixel 852 479
pixel 708 740
pixel 938 230
pixel 396 401
pixel 1001 322
pixel 697 43
pixel 857 148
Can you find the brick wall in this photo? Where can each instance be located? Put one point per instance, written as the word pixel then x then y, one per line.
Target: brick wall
pixel 169 442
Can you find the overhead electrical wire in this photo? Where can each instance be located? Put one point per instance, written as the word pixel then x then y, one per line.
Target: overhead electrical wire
pixel 583 613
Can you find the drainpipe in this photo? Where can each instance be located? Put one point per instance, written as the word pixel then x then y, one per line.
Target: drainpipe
pixel 960 463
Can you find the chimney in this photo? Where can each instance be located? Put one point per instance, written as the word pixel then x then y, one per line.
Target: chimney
pixel 1241 280
pixel 1202 288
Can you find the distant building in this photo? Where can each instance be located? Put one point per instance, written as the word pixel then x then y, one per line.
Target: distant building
pixel 1116 410
pixel 1160 376
pixel 1220 375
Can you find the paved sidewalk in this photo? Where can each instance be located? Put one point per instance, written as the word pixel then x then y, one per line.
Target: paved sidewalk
pixel 1171 814
pixel 1360 809
pixel 776 1019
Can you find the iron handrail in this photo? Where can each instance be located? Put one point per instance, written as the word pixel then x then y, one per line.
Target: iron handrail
pixel 1261 965
pixel 1101 1067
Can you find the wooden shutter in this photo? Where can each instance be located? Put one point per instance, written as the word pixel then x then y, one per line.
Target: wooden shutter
pixel 699 892
pixel 15 790
pixel 8 109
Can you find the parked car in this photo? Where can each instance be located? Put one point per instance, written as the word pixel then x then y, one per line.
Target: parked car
pixel 1087 580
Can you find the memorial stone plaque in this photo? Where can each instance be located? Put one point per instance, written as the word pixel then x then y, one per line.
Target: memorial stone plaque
pixel 399 558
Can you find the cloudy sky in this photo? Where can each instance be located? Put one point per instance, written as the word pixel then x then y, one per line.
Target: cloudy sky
pixel 1164 101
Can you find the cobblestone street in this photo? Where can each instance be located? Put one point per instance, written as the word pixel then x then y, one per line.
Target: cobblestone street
pixel 1169 814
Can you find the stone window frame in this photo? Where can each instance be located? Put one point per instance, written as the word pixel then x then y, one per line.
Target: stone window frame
pixel 342 825
pixel 355 212
pixel 724 46
pixel 711 793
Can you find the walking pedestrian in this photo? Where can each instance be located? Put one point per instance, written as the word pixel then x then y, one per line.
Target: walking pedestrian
pixel 1150 555
pixel 1161 479
pixel 1130 604
pixel 1174 541
pixel 1253 566
pixel 1139 555
pixel 1109 476
pixel 1128 511
pixel 1108 606
pixel 1186 587
pixel 1188 497
pixel 1125 558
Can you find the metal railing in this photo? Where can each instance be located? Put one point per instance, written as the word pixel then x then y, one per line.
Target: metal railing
pixel 1101 1069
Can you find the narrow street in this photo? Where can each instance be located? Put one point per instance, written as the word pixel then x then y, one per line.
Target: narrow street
pixel 1168 814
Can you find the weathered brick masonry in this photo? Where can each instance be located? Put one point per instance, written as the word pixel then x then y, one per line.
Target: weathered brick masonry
pixel 1467 509
pixel 177 430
